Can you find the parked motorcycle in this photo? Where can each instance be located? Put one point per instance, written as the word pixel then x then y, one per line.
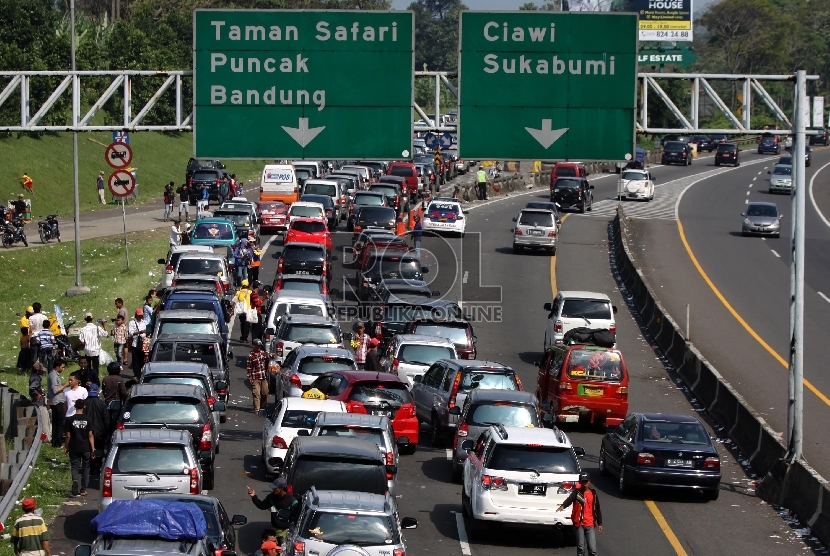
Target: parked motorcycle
pixel 13 232
pixel 48 229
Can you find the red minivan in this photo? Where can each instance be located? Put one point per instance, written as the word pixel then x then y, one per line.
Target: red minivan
pixel 407 171
pixel 583 383
pixel 567 170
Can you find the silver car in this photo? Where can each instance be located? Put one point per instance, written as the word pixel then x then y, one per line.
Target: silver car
pixel 366 523
pixel 781 178
pixel 172 260
pixel 535 228
pixel 304 364
pixel 762 219
pixel 377 428
pixel 410 355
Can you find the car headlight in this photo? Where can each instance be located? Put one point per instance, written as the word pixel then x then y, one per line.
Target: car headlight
pixel 747 222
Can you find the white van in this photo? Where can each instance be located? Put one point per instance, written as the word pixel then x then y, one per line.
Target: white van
pixel 314 166
pixel 294 303
pixel 279 183
pixel 330 188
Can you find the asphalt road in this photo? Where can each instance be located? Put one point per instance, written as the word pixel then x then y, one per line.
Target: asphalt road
pixel 506 293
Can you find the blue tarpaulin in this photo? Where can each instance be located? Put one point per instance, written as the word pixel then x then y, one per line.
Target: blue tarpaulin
pixel 157 519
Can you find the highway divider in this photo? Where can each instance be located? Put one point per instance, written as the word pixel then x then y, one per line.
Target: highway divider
pixel 796 486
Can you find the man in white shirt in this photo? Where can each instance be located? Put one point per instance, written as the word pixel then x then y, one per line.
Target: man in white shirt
pixel 74 392
pixel 36 320
pixel 89 336
pixel 176 233
pixel 136 331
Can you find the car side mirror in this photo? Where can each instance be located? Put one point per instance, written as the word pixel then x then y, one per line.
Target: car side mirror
pixel 160 261
pixel 409 523
pixel 224 329
pixel 547 418
pixel 515 219
pixel 548 307
pixel 465 212
pixel 418 378
pixel 537 363
pixel 743 214
pixel 614 309
pixel 219 406
pixel 303 432
pixel 475 339
pixel 435 293
pixel 424 270
pixel 238 519
pixel 83 550
pixel 580 452
pixel 467 445
pixel 768 172
pixel 230 355
pixel 780 216
pixel 454 410
pixel 115 405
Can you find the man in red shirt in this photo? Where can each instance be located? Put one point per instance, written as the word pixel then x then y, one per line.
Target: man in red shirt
pixel 586 514
pixel 257 369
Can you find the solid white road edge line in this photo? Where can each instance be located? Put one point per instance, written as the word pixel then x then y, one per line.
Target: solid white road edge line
pixel 813 199
pixel 824 297
pixel 462 534
pixel 774 252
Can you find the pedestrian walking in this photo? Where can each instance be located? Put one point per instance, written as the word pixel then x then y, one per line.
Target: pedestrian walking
pixel 30 537
pixel 243 303
pixel 257 369
pixel 114 386
pixel 224 190
pixel 282 505
pixel 266 536
pixel 417 235
pixel 85 373
pixel 27 183
pixel 256 261
pixel 360 345
pixel 45 344
pixel 256 303
pixel 239 186
pixel 169 199
pixel 90 338
pixel 203 199
pixel 456 193
pixel 37 319
pixel 24 356
pixel 99 423
pixel 80 447
pixel 100 186
pixel 38 397
pixel 56 400
pixel 586 515
pixel 270 548
pixel 481 183
pixel 242 257
pixel 232 186
pixel 184 201
pixel 119 339
pixel 372 357
pixel 176 233
pixel 74 391
pixel 136 332
pixel 121 310
pixel 148 311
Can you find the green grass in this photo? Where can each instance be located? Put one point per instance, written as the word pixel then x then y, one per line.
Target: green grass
pixel 158 157
pixel 43 274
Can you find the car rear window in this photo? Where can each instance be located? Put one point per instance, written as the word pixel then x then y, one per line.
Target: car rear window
pixel 507 457
pixel 272 208
pixel 457 334
pixel 415 354
pixel 531 218
pixel 310 212
pixel 354 431
pixel 368 200
pixel 148 410
pixel 313 334
pixel 388 191
pixel 302 285
pixel 727 148
pixel 238 218
pixel 361 475
pixel 150 458
pixel 766 141
pixel 634 176
pixel 506 413
pixel 476 378
pixel 319 364
pixel 595 365
pixel 193 305
pixel 187 380
pixel 303 253
pixel 298 309
pixel 186 327
pixel 308 227
pixel 394 268
pixel 567 184
pixel 328 189
pixel 299 418
pixel 565 171
pixel 403 171
pixel 587 308
pixel 213 230
pixel 186 351
pixel 188 265
pixel 205 175
pixel 675 146
pixel 379 214
pixel 354 529
pixel 375 393
pixel 674 433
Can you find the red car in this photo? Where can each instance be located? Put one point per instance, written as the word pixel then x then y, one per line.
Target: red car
pixel 309 230
pixel 375 394
pixel 273 214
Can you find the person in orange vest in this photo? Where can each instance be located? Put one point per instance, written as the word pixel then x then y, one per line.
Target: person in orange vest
pixel 400 228
pixel 27 182
pixel 256 261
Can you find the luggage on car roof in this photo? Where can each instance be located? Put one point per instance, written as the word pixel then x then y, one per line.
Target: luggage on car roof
pixel 597 336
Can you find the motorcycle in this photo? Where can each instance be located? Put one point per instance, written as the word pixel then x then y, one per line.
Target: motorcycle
pixel 48 229
pixel 13 232
pixel 63 347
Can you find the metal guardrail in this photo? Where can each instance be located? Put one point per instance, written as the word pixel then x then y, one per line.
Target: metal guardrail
pixel 8 501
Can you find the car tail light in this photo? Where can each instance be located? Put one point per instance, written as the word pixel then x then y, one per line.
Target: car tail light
pixel 463 429
pixel 471 355
pixel 206 442
pixel 454 391
pixel 622 390
pixel 251 233
pixel 557 326
pixel 351 209
pixel 280 347
pixel 190 181
pixel 279 265
pixel 459 217
pixel 174 282
pixel 378 331
pixel 358 229
pixel 395 363
pixel 613 328
pixel 194 481
pixel 222 391
pixel 278 442
pixel 565 487
pixel 107 492
pixel 489 482
pixel 406 411
pixel 355 407
pixel 551 234
pixel 711 463
pixel 211 400
pixel 290 491
pixel 565 386
pixel 120 425
pixel 299 546
pixel 168 269
pixel 260 192
pixel 579 192
pixel 295 381
pixel 398 552
pixel 518 382
pixel 646 459
pixel 218 181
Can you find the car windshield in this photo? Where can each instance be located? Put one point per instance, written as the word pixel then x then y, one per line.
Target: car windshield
pixel 369 200
pixel 319 364
pixel 299 418
pixel 415 354
pixel 531 218
pixel 508 414
pixel 186 327
pixel 354 431
pixel 213 230
pixel 190 265
pixel 675 146
pixel 355 529
pixel 595 366
pixel 186 351
pixel 147 410
pixel 142 459
pixel 762 210
pixel 634 176
pixel 378 393
pixel 328 189
pixel 313 334
pixel 475 378
pixel 457 334
pixel 586 308
pixel 567 184
pixel 308 227
pixel 403 171
pixel 272 208
pixel 507 457
pixel 303 253
pixel 301 210
pixel 193 305
pixel 188 380
pixel 781 170
pixel 673 433
pixel 238 218
pixel 302 286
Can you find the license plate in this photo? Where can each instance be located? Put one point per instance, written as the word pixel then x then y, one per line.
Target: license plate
pixel 678 463
pixel 442 220
pixel 303 272
pixel 381 412
pixel 535 232
pixel 534 490
pixel 594 392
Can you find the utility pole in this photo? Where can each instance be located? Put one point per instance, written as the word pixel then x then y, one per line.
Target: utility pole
pixel 795 406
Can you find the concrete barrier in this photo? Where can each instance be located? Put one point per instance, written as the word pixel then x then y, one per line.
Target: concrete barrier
pixel 795 486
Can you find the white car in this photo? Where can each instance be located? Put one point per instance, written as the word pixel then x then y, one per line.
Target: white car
pixel 445 217
pixel 636 184
pixel 287 419
pixel 301 209
pixel 518 475
pixel 575 309
pixel 410 355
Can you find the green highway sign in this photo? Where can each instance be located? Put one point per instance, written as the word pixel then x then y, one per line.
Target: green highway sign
pixel 678 57
pixel 547 85
pixel 282 84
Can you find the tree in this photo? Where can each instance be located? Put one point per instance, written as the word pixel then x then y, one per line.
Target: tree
pixel 436 33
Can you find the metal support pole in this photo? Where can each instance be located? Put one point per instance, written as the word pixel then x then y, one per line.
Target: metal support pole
pixel 437 121
pixel 124 219
pixel 796 406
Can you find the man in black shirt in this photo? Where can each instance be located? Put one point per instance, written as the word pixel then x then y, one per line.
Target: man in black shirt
pixel 372 358
pixel 80 444
pixel 184 200
pixel 96 413
pixel 283 506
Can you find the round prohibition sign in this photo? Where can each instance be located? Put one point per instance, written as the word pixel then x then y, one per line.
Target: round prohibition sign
pixel 121 184
pixel 119 155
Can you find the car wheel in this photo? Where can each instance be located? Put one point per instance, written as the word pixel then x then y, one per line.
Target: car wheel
pixel 435 432
pixel 663 161
pixel 759 151
pixel 516 249
pixel 603 469
pixel 208 481
pixel 553 251
pixel 713 494
pixel 582 208
pixel 737 163
pixel 777 235
pixel 623 484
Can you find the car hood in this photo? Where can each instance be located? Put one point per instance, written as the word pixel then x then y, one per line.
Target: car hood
pixel 781 177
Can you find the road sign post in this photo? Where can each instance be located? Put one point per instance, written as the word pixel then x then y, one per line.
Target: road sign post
pixel 301 84
pixel 121 184
pixel 547 85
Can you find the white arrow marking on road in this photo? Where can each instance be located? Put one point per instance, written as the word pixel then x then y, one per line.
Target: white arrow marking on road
pixel 302 134
pixel 546 136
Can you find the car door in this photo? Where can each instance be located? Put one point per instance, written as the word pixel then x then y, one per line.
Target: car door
pixel 474 464
pixel 228 530
pixel 424 391
pixel 550 333
pixel 269 423
pixel 282 378
pixel 622 442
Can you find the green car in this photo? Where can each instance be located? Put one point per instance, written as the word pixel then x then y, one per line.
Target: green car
pixel 213 231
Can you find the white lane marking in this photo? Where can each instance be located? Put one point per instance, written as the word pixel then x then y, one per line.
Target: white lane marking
pixel 748 191
pixel 466 275
pixel 746 202
pixel 759 173
pixel 462 534
pixel 755 178
pixel 813 199
pixel 827 299
pixel 774 252
pixel 750 185
pixel 706 176
pixel 449 453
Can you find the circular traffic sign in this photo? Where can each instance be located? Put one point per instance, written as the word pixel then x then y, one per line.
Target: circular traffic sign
pixel 121 184
pixel 119 155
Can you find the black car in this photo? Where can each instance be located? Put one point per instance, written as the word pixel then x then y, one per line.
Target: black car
pixel 176 407
pixel 823 137
pixel 546 206
pixel 661 450
pixel 304 258
pixel 703 143
pixel 196 164
pixel 394 197
pixel 375 217
pixel 393 317
pixel 718 138
pixel 328 206
pixel 572 193
pixel 361 199
pixel 808 154
pixel 392 289
pixel 676 152
pixel 769 144
pixel 385 265
pixel 728 153
pixel 246 224
pixel 210 178
pixel 679 138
